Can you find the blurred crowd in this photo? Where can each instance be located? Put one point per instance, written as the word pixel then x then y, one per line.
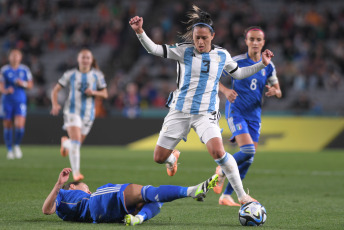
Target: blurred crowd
pixel 307 38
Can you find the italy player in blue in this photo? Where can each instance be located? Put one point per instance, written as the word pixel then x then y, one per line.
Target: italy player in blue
pixel 128 203
pixel 243 107
pixel 195 102
pixel 15 78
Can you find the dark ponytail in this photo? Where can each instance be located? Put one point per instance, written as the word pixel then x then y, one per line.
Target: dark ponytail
pixel 67 186
pixel 197 17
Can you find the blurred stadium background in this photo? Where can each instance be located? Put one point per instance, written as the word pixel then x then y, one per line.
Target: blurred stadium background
pixel 307 38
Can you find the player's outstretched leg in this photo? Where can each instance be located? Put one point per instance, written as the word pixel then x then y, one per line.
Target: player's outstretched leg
pixel 167 193
pixel 172 164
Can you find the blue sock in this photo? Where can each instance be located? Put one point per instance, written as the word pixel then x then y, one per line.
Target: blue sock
pixel 18 135
pixel 8 136
pixel 150 210
pixel 163 193
pixel 245 153
pixel 243 168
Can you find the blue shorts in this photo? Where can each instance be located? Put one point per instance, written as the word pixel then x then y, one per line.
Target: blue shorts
pixel 11 110
pixel 238 125
pixel 107 204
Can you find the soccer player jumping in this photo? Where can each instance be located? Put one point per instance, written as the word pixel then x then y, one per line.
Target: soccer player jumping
pixel 195 102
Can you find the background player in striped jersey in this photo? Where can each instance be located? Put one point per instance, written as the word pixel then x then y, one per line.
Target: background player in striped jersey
pixel 14 80
pixel 114 202
pixel 195 103
pixel 85 83
pixel 244 115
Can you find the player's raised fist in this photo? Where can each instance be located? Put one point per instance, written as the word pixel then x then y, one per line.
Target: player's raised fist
pixel 136 24
pixel 266 57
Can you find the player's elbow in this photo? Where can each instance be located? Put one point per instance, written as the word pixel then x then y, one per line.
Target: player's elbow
pixel 46 211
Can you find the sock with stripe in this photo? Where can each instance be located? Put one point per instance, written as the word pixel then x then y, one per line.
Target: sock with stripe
pixel 230 168
pixel 245 153
pixel 163 193
pixel 243 169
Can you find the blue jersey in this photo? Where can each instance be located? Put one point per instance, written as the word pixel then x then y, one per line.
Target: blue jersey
pixel 8 76
pixel 73 205
pixel 105 205
pixel 250 90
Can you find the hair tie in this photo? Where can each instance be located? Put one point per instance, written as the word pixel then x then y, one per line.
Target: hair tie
pixel 204 24
pixel 256 29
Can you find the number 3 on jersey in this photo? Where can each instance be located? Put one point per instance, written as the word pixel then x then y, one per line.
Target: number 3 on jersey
pixel 253 85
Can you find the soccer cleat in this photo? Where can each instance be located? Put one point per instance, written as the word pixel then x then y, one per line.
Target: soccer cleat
pixel 246 199
pixel 221 180
pixel 171 170
pixel 227 200
pixel 17 152
pixel 64 151
pixel 130 220
pixel 10 155
pixel 78 177
pixel 202 189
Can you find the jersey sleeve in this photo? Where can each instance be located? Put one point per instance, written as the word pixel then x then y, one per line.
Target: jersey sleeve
pixel 175 52
pixel 230 66
pixel 272 77
pixel 101 84
pixel 28 73
pixel 64 80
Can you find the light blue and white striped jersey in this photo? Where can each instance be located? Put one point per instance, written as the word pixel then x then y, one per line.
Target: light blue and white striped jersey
pixel 78 102
pixel 198 76
pixel 8 76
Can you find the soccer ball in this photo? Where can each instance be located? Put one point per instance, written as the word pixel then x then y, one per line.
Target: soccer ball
pixel 252 214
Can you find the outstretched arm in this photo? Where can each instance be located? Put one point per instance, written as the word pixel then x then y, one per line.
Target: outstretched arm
pixel 152 48
pixel 244 72
pixel 49 206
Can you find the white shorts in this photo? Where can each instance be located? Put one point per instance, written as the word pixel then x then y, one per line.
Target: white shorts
pixel 72 119
pixel 177 126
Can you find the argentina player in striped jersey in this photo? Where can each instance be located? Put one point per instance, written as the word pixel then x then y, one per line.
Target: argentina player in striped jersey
pixel 243 108
pixel 85 83
pixel 195 103
pixel 128 203
pixel 15 78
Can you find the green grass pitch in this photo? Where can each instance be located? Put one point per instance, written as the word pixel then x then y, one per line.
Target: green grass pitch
pixel 299 190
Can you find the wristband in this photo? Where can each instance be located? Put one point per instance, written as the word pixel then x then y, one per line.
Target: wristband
pixel 24 84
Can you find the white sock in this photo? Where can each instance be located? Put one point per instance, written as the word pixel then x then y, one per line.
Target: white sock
pixel 140 218
pixel 230 168
pixel 67 144
pixel 74 156
pixel 171 159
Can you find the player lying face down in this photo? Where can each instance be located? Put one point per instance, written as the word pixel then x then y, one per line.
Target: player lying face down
pixel 128 203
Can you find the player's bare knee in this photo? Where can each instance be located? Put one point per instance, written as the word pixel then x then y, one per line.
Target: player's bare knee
pixel 217 153
pixel 158 158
